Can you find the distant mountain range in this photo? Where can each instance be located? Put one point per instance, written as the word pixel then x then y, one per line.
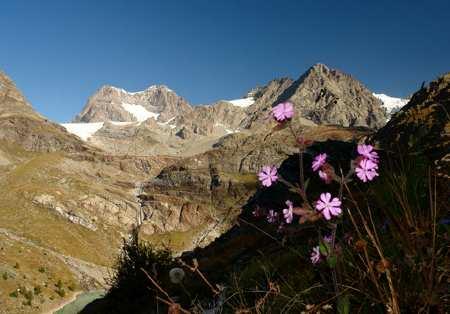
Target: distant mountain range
pixel 113 117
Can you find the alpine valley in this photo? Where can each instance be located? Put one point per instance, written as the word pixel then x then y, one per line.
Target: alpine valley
pixel 71 193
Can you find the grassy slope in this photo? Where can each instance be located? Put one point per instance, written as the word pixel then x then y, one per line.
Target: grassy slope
pixel 29 175
pixel 25 266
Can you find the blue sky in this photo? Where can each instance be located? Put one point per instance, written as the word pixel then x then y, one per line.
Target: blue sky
pixel 60 52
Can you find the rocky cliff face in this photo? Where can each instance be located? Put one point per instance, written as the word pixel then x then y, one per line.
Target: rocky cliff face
pixel 218 119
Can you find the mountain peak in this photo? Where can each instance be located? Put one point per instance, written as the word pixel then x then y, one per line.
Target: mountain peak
pixel 328 96
pixel 13 101
pixel 110 88
pixel 111 103
pixel 319 67
pixel 160 87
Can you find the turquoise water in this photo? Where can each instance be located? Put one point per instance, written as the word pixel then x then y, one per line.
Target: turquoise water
pixel 80 302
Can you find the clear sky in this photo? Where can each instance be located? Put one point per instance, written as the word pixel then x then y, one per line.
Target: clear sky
pixel 60 52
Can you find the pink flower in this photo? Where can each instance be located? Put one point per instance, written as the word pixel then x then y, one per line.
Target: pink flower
pixel 326 173
pixel 256 212
pixel 303 142
pixel 288 213
pixel 328 238
pixel 319 161
pixel 268 175
pixel 315 255
pixel 324 176
pixel 283 111
pixel 366 170
pixel 327 206
pixel 368 152
pixel 272 216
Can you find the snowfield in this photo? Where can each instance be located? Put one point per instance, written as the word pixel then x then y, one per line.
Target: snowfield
pixel 86 130
pixel 83 130
pixel 142 91
pixel 120 123
pixel 392 104
pixel 227 130
pixel 172 126
pixel 243 102
pixel 139 112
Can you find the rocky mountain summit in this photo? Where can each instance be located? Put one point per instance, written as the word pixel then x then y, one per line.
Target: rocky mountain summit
pixel 323 96
pixel 115 104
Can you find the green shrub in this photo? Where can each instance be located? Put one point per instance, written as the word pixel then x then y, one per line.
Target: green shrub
pixel 72 287
pixel 59 284
pixel 61 292
pixel 37 290
pixel 14 294
pixel 28 294
pixel 129 282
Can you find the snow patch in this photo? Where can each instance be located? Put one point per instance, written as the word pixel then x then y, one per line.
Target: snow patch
pixel 83 130
pixel 152 87
pixel 392 104
pixel 243 102
pixel 139 112
pixel 227 130
pixel 121 123
pixel 172 126
pixel 230 131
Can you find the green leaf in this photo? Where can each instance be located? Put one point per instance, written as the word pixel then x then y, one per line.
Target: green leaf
pixel 343 304
pixel 323 249
pixel 306 184
pixel 280 126
pixel 332 260
pixel 293 190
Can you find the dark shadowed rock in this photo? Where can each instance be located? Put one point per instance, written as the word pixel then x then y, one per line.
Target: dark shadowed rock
pixel 423 125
